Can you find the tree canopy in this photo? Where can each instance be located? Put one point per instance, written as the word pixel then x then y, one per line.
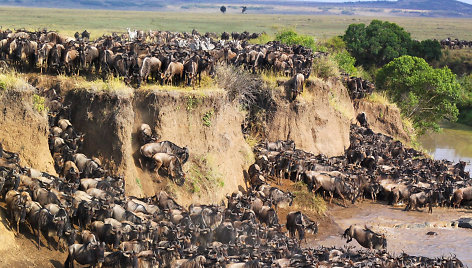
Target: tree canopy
pixel 423 93
pixel 382 41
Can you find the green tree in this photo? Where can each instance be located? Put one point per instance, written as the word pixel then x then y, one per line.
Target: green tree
pixel 465 103
pixel 378 43
pixel 429 50
pixel 345 62
pixel 424 94
pixel 290 37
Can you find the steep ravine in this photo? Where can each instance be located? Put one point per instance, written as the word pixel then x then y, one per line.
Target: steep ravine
pixel 203 120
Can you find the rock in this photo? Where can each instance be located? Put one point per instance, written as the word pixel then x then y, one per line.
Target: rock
pixel 465 223
pixel 431 233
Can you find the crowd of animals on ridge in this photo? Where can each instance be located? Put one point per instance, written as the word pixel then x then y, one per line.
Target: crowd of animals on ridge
pixel 450 43
pixel 374 166
pixel 86 209
pixel 167 57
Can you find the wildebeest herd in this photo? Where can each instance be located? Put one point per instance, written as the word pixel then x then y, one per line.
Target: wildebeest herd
pixel 455 43
pixel 374 166
pixel 358 87
pixel 86 210
pixel 166 57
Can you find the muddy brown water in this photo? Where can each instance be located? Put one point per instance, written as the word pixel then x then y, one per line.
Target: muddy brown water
pixel 405 231
pixel 453 143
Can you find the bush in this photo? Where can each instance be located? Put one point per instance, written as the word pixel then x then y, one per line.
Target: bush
pixel 262 39
pixel 378 43
pixel 465 103
pixel 290 37
pixel 424 94
pixel 345 62
pixel 430 50
pixel 334 44
pixel 39 103
pixel 325 67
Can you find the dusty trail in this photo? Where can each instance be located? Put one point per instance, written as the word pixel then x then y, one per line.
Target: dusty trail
pixel 405 231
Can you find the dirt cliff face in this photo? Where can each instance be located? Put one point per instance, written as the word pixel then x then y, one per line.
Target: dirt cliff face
pixel 318 121
pixel 384 118
pixel 106 118
pixel 205 121
pixel 25 130
pixel 207 124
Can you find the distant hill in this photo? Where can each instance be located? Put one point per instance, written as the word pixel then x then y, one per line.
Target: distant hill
pixel 429 8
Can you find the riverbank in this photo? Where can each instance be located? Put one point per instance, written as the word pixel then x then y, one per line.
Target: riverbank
pixel 406 232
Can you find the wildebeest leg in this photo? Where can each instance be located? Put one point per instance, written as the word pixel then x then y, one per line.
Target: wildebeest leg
pixel 39 237
pixel 18 226
pixel 140 160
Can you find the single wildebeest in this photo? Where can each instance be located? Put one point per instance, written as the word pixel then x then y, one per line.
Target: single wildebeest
pixel 462 194
pixel 91 254
pixel 171 163
pixel 280 146
pixel 16 207
pixel 151 66
pixel 145 134
pixel 365 237
pixel 297 222
pixel 174 69
pixel 278 197
pixel 362 119
pixel 332 182
pixel 150 149
pixel 294 86
pixel 418 200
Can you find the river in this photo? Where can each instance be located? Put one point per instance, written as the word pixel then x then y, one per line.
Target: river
pixel 407 231
pixel 454 143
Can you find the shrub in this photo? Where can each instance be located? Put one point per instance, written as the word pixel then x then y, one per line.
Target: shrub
pixel 325 67
pixel 39 103
pixel 290 37
pixel 262 39
pixel 345 62
pixel 424 94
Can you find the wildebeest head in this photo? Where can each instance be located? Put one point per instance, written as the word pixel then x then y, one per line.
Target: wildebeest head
pixel 98 250
pixel 177 173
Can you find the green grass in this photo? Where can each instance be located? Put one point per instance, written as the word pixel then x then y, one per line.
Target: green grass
pixel 11 80
pixel 308 201
pixel 38 104
pixel 202 176
pixel 99 22
pixel 206 119
pixel 379 97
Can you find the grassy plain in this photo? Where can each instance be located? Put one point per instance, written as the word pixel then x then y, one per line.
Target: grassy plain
pixel 99 22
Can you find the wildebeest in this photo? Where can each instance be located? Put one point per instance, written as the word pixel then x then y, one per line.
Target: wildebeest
pixel 91 254
pixel 279 146
pixel 145 134
pixel 16 204
pixel 362 119
pixel 365 237
pixel 150 149
pixel 297 222
pixel 294 86
pixel 150 66
pixel 171 163
pixel 332 182
pixel 419 199
pixel 462 194
pixel 174 69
